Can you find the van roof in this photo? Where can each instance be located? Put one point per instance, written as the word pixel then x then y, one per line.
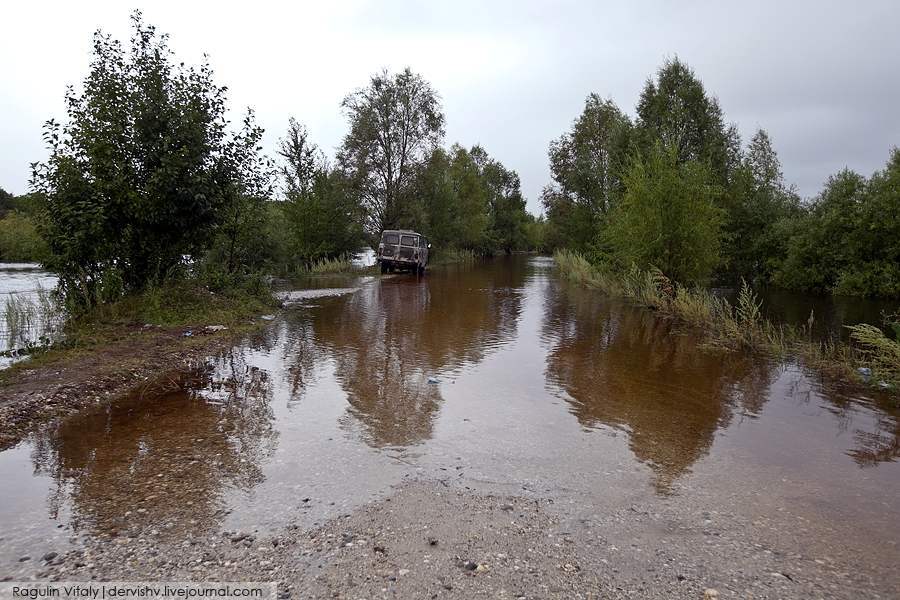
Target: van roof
pixel 404 231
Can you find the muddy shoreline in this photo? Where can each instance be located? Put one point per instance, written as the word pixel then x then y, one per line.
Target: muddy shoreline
pixel 140 358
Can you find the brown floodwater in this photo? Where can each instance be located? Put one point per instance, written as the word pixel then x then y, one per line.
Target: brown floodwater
pixel 498 376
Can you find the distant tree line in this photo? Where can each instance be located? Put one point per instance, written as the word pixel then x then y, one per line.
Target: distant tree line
pixel 392 172
pixel 19 237
pixel 676 189
pixel 147 179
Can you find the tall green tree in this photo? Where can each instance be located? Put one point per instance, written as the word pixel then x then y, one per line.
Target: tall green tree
pixel 874 269
pixel 6 201
pixel 322 217
pixel 470 200
pixel 455 204
pixel 243 215
pixel 396 122
pixel 140 173
pixel 668 217
pixel 675 110
pixel 506 203
pixel 588 161
pixel 757 201
pixel 19 239
pixel 587 164
pixel 566 225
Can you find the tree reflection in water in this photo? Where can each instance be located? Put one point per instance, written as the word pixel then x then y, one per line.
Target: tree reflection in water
pixel 624 368
pixel 388 339
pixel 163 461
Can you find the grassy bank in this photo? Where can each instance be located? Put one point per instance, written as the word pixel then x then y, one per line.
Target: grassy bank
pixel 182 304
pixel 870 357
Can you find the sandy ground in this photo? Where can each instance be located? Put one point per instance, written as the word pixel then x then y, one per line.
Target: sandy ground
pixel 430 540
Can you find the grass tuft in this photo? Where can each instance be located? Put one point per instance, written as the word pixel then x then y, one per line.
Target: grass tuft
pixel 31 323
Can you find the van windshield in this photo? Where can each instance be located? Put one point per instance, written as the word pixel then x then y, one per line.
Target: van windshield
pixel 409 240
pixel 390 238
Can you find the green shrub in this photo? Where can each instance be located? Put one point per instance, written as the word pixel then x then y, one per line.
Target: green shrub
pixel 20 240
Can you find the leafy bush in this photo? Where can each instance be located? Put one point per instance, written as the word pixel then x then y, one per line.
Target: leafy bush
pixel 667 218
pixel 20 240
pixel 144 172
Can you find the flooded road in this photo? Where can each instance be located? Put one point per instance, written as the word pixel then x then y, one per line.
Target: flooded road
pixel 497 378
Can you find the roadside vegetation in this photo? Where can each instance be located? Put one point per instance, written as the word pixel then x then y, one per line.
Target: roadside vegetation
pixel 658 208
pixel 677 189
pixel 154 209
pixel 870 357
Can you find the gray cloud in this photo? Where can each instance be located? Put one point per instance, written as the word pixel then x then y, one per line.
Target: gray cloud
pixel 821 77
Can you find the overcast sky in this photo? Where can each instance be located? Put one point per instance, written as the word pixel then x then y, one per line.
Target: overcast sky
pixel 822 77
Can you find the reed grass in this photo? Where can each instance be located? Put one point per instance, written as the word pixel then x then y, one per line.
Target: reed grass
pixel 453 256
pixel 31 322
pixel 871 356
pixel 339 264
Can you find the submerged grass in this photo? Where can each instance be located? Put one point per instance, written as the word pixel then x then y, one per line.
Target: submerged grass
pixel 31 322
pixel 871 355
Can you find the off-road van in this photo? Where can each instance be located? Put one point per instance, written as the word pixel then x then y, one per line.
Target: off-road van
pixel 402 250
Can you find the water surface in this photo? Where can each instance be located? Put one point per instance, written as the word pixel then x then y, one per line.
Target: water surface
pixel 497 376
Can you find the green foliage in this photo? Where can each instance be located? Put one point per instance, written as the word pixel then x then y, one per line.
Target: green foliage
pixel 881 354
pixel 507 205
pixel 848 240
pixel 758 208
pixel 454 200
pixel 587 164
pixel 339 264
pixel 216 297
pixel 676 111
pixel 31 322
pixel 470 201
pixel 145 171
pixel 320 215
pixel 396 122
pixel 536 233
pixel 667 218
pixel 401 178
pixel 20 240
pixel 619 199
pixel 29 205
pixel 570 224
pixel 6 201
